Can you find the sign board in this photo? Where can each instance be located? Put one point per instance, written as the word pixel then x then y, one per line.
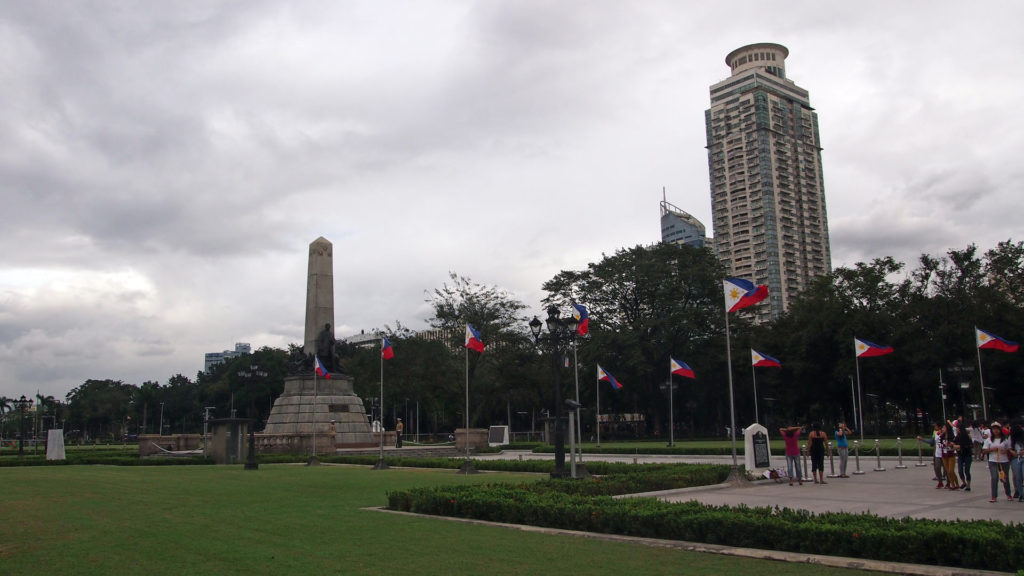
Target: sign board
pixel 757 455
pixel 497 436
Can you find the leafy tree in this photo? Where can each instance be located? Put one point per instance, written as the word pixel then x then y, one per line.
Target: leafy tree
pixel 497 315
pixel 647 304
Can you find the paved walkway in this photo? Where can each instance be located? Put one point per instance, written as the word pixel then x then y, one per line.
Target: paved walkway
pixel 897 493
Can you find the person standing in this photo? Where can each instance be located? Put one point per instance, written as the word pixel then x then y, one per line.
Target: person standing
pixel 936 442
pixel 398 433
pixel 964 455
pixel 949 457
pixel 1017 460
pixel 791 436
pixel 997 447
pixel 817 438
pixel 843 446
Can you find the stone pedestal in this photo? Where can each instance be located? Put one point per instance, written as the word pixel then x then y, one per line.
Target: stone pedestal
pixel 477 439
pixel 327 407
pixel 228 442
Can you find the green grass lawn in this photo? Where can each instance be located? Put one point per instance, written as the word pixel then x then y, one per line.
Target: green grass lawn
pixel 288 519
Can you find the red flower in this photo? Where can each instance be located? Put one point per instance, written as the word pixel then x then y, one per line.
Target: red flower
pixel 855 534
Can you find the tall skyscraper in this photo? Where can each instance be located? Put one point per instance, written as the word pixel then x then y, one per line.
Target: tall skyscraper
pixel 679 227
pixel 767 189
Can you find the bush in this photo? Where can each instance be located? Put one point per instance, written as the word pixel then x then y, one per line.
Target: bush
pixel 590 505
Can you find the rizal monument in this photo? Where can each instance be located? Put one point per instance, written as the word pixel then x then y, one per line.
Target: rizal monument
pixel 316 413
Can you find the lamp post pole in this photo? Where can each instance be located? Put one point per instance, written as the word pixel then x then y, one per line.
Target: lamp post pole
pixel 560 334
pixel 22 404
pixel 252 372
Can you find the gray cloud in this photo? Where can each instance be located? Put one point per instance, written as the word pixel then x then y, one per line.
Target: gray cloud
pixel 165 167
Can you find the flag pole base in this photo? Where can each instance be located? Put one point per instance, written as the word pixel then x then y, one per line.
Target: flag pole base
pixel 467 467
pixel 736 477
pixel 313 461
pixel 380 465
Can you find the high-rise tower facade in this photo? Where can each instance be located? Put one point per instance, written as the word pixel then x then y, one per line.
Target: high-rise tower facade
pixel 767 189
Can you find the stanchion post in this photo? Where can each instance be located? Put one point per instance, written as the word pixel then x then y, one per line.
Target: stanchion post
pixel 803 472
pixel 878 458
pixel 920 458
pixel 831 462
pixel 899 451
pixel 856 457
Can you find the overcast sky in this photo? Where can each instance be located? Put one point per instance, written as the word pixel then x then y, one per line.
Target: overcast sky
pixel 165 165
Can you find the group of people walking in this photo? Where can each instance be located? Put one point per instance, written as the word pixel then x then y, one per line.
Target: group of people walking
pixel 957 444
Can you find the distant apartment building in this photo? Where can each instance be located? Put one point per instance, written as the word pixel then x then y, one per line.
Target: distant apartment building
pixel 213 358
pixel 679 227
pixel 767 188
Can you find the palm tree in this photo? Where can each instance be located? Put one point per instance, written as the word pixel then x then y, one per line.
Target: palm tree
pixel 45 405
pixel 5 407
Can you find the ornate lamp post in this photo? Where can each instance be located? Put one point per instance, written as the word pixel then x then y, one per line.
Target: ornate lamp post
pixel 560 334
pixel 252 372
pixel 21 405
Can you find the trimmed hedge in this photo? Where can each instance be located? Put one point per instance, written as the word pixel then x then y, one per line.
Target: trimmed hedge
pixel 588 505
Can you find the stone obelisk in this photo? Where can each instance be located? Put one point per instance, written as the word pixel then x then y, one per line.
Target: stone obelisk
pixel 311 408
pixel 319 292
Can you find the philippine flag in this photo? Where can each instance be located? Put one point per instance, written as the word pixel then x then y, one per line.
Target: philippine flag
pixel 763 360
pixel 473 341
pixel 680 368
pixel 321 370
pixel 865 349
pixel 990 341
pixel 603 376
pixel 386 352
pixel 580 313
pixel 740 293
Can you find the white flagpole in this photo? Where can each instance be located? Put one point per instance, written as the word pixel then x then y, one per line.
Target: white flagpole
pixel 597 391
pixel 860 395
pixel 579 423
pixel 732 406
pixel 467 404
pixel 381 416
pixel 671 407
pixel 314 412
pixel 981 378
pixel 753 371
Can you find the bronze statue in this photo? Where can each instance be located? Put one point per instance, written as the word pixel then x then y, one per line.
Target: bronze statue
pixel 327 349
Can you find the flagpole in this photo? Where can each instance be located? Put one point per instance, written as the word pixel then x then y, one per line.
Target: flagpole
pixel 732 407
pixel 597 392
pixel 381 464
pixel 314 413
pixel 853 394
pixel 671 408
pixel 860 396
pixel 753 371
pixel 579 423
pixel 467 404
pixel 981 377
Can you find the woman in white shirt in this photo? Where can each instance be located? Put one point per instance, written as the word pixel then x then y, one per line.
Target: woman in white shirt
pixel 997 446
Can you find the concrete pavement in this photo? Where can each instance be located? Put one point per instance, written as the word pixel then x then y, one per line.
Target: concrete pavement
pixel 896 493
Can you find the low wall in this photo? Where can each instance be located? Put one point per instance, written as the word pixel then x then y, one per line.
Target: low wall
pixel 156 444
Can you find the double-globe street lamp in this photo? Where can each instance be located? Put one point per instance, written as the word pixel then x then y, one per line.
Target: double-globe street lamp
pixel 559 337
pixel 21 405
pixel 252 372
